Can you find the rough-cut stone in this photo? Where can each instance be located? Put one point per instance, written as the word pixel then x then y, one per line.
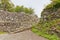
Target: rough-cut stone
pixel 14 22
pixel 50 14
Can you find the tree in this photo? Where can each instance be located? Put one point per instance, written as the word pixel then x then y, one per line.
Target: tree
pixel 28 10
pixel 55 0
pixel 6 5
pixel 19 9
pixel 31 11
pixel 24 9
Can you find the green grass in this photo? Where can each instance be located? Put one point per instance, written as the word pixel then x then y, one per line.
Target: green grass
pixel 2 32
pixel 48 36
pixel 42 29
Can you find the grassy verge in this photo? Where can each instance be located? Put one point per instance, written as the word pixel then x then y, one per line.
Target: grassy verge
pixel 48 36
pixel 2 32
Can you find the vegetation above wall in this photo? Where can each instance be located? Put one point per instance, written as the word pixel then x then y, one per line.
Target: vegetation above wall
pixel 7 5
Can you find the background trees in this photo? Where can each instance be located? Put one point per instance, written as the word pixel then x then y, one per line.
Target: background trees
pixel 7 5
pixel 28 10
pixel 19 8
pixel 57 1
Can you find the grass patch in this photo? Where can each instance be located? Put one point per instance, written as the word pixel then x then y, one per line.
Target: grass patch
pixel 48 36
pixel 2 32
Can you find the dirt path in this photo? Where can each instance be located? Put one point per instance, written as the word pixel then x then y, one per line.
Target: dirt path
pixel 26 35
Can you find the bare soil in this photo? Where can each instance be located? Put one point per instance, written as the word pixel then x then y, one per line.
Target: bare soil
pixel 25 35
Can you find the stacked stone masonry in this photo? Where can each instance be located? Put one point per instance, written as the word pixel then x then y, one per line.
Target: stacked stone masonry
pixel 14 22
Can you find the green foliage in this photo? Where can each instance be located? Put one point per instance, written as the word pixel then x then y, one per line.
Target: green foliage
pixel 48 36
pixel 24 9
pixel 49 6
pixel 54 4
pixel 28 10
pixel 42 29
pixel 19 9
pixel 6 5
pixel 2 32
pixel 57 1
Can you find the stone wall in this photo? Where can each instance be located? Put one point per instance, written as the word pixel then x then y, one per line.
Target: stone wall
pixel 50 14
pixel 14 22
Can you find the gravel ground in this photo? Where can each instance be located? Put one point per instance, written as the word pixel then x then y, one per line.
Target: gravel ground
pixel 26 35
